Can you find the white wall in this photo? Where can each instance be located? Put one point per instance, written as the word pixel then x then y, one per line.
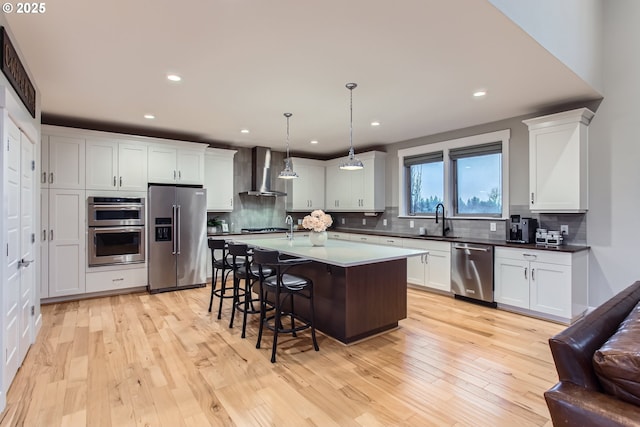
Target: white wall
pixel 614 162
pixel 570 29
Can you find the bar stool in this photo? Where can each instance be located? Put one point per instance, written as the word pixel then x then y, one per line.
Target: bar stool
pixel 223 266
pixel 248 272
pixel 284 286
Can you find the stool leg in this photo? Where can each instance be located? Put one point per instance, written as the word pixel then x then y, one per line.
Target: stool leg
pixel 247 296
pixel 263 314
pixel 276 328
pixel 223 285
pixel 235 299
pixel 313 320
pixel 293 324
pixel 213 288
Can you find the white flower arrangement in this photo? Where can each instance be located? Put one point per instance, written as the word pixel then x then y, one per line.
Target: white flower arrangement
pixel 317 221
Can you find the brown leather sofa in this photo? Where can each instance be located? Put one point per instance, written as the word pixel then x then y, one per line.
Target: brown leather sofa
pixel 578 399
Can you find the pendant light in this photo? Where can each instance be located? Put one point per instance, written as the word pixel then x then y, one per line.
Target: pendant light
pixel 287 172
pixel 352 163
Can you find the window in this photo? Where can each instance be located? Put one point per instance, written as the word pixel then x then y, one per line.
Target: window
pixel 477 179
pixel 426 182
pixel 465 175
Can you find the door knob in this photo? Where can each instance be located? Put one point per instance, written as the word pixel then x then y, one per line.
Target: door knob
pixel 24 263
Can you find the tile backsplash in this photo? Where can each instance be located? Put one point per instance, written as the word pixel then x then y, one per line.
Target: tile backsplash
pixel 471 228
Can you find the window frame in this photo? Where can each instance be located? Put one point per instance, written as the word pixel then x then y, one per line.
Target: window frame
pixel 501 136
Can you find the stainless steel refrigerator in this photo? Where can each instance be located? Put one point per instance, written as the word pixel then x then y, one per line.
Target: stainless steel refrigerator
pixel 177 237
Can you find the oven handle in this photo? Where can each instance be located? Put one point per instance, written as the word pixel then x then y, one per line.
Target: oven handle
pixel 128 206
pixel 175 235
pixel 117 229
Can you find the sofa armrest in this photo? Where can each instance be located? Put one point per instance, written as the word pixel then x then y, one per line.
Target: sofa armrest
pixel 571 405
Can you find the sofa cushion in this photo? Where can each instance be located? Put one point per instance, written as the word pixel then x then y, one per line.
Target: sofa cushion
pixel 617 362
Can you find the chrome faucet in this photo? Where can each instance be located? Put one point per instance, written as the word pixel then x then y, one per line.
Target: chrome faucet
pixel 289 220
pixel 444 225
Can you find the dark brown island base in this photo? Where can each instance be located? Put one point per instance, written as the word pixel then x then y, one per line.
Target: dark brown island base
pixel 360 289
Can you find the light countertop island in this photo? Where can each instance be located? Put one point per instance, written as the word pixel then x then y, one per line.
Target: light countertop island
pixel 360 289
pixel 340 253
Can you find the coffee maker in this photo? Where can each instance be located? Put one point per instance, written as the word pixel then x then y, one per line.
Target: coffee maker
pixel 522 230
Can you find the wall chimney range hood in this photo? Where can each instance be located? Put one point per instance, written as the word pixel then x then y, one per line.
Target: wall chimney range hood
pixel 261 174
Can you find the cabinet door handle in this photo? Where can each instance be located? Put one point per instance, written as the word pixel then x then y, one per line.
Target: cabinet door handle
pixel 51 178
pixel 532 198
pixel 120 181
pixel 533 274
pixel 114 181
pixel 50 234
pixel 179 174
pixel 174 175
pixel 44 178
pixel 44 235
pixel 525 272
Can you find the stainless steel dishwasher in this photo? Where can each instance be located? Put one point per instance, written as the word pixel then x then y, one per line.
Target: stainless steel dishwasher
pixel 472 272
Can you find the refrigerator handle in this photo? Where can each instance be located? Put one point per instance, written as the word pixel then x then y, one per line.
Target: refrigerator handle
pixel 175 235
pixel 179 228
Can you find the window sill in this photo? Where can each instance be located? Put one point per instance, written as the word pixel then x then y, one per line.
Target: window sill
pixel 486 218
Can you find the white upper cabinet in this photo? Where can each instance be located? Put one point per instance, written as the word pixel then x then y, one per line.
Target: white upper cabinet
pixel 558 161
pixel 174 164
pixel 307 192
pixel 62 162
pixel 113 165
pixel 356 191
pixel 218 179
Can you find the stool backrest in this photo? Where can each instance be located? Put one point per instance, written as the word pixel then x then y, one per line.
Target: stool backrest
pixel 238 249
pixel 261 256
pixel 217 244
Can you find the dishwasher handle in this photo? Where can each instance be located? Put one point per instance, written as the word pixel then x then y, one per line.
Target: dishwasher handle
pixel 472 248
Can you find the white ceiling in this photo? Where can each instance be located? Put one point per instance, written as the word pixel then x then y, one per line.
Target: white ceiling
pixel 246 62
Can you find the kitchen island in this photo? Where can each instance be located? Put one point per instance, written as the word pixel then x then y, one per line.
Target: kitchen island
pixel 360 289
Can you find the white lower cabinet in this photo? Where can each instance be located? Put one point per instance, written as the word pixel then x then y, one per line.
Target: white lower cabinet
pixel 432 270
pixel 553 284
pixel 111 280
pixel 67 242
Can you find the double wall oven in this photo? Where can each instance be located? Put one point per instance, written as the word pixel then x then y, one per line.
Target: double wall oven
pixel 116 232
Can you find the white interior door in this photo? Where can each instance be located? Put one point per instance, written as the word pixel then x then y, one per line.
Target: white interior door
pixel 19 289
pixel 27 245
pixel 11 289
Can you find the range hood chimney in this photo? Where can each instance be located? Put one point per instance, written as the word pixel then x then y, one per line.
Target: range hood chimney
pixel 261 173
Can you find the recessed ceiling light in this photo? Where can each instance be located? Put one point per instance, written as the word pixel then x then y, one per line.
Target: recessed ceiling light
pixel 149 116
pixel 375 123
pixel 313 142
pixel 244 131
pixel 479 93
pixel 174 77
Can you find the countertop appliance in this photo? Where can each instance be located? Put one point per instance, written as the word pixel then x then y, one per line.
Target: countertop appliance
pixel 115 232
pixel 472 272
pixel 550 238
pixel 177 237
pixel 259 230
pixel 521 230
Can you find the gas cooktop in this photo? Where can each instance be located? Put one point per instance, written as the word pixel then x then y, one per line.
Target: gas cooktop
pixel 264 230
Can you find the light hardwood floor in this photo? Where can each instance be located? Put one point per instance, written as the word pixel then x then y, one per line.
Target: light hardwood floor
pixel 163 360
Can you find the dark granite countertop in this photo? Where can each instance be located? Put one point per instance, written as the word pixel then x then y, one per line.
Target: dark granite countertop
pixel 501 243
